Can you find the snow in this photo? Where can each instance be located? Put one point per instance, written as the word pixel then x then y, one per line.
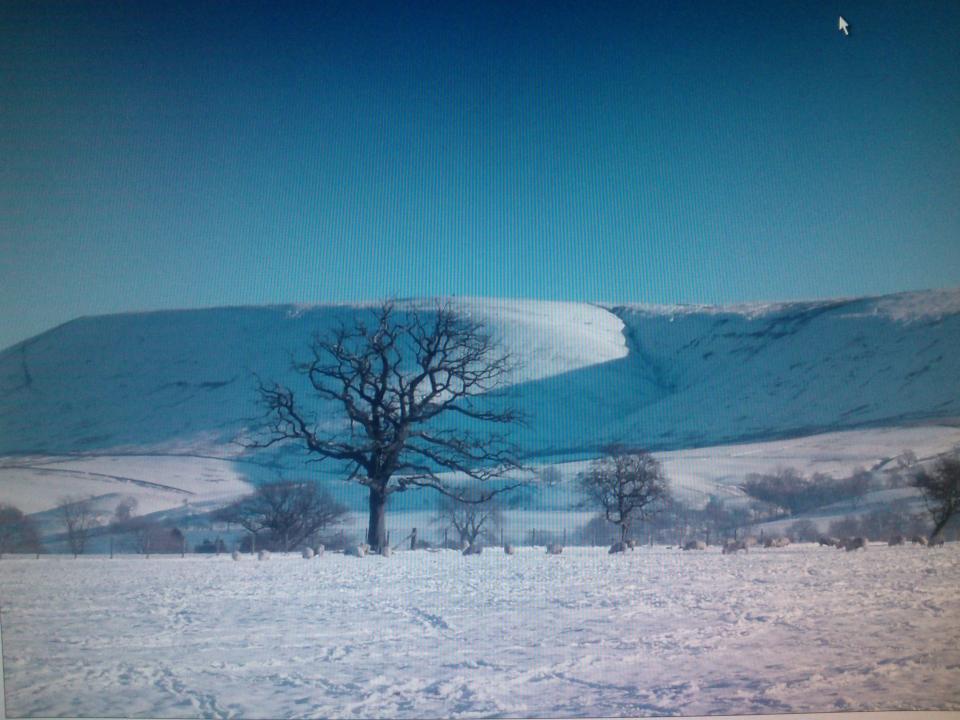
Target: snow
pixel 157 482
pixel 667 378
pixel 421 634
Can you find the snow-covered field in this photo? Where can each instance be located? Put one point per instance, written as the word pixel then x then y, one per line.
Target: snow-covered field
pixel 424 634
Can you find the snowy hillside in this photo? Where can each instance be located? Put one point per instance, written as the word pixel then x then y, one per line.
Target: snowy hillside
pixel 156 401
pixel 665 377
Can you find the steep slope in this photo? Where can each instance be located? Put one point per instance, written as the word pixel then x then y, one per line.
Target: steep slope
pixel 701 376
pixel 665 377
pixel 184 381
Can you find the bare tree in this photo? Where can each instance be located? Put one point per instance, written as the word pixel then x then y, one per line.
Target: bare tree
pixel 941 491
pixel 125 509
pixel 468 516
pixel 79 518
pixel 148 535
pixel 18 533
pixel 291 513
pixel 550 476
pixel 628 485
pixel 408 386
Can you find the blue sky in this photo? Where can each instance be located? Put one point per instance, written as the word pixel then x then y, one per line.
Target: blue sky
pixel 208 154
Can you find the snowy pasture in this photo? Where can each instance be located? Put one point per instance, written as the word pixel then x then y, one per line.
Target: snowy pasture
pixel 435 634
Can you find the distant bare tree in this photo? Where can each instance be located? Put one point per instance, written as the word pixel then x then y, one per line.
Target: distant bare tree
pixel 125 509
pixel 847 526
pixel 550 476
pixel 941 491
pixel 470 516
pixel 18 533
pixel 906 460
pixel 408 384
pixel 803 531
pixel 79 518
pixel 857 485
pixel 149 535
pixel 290 513
pixel 627 485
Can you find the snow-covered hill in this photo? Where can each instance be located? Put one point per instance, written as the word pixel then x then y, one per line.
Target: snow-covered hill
pixel 182 383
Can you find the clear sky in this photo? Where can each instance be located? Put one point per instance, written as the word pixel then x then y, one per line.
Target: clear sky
pixel 157 156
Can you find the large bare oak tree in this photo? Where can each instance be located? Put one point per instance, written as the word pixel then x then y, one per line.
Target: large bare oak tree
pixel 406 382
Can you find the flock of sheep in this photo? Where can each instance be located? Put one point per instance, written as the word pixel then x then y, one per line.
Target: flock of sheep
pixel 849 544
pixel 729 547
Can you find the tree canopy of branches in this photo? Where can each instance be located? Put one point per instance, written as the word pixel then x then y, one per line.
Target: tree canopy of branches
pixel 469 516
pixel 79 518
pixel 147 534
pixel 628 486
pixel 288 514
pixel 394 380
pixel 18 533
pixel 788 489
pixel 941 491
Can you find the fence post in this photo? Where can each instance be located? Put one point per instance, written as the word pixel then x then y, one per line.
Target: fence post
pixel 183 546
pixel 111 547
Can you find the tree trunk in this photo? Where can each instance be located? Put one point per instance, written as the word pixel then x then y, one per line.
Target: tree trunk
pixel 940 525
pixel 377 526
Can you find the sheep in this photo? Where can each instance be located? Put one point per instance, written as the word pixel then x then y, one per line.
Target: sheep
pixel 617 547
pixel 473 549
pixel 508 549
pixel 918 540
pixel 632 544
pixel 355 551
pixel 386 551
pixel 554 549
pixel 828 541
pixel 319 550
pixel 236 555
pixel 776 542
pixel 732 546
pixel 695 545
pixel 307 553
pixel 263 555
pixel 936 542
pixel 896 540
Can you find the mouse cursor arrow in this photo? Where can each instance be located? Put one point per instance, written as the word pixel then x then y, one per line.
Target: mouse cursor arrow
pixel 842 26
